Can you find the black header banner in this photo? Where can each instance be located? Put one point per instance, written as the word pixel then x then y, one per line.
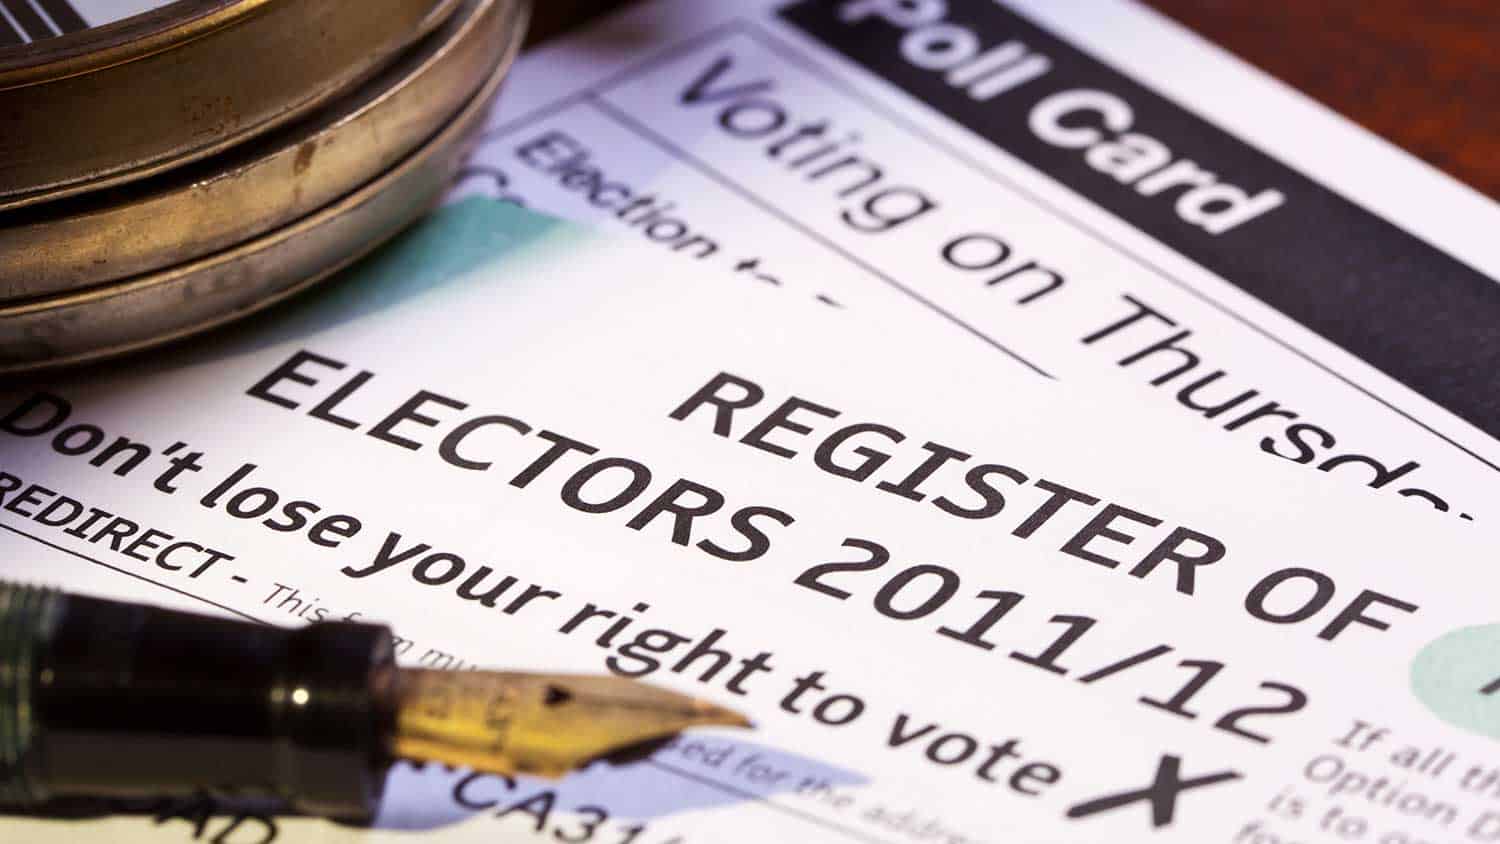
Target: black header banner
pixel 1413 311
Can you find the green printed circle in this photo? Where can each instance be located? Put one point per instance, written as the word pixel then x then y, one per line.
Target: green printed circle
pixel 1458 677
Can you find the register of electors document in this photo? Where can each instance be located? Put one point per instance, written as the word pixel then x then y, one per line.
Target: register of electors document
pixel 1082 188
pixel 958 609
pixel 1047 428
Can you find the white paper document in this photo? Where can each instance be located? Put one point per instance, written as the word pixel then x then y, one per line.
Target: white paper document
pixel 1082 190
pixel 961 604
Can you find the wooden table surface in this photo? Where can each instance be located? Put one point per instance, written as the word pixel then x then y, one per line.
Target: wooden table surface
pixel 1425 74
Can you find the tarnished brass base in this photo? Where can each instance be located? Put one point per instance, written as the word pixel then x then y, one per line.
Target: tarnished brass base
pixel 214 204
pixel 182 300
pixel 122 101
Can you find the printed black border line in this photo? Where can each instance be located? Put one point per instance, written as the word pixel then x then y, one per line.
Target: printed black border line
pixel 129 573
pixel 33 25
pixel 750 795
pixel 786 51
pixel 677 772
pixel 780 47
pixel 591 95
pixel 63 16
pixel 11 32
pixel 625 74
pixel 649 134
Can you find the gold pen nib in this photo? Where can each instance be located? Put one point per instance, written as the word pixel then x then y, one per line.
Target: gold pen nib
pixel 543 724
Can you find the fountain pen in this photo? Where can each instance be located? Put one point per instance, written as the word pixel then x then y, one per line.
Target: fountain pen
pixel 103 698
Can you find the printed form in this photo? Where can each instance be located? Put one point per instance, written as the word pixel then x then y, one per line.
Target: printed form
pixel 1083 190
pixel 959 607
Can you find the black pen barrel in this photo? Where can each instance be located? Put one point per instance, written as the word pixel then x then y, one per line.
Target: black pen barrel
pixel 104 698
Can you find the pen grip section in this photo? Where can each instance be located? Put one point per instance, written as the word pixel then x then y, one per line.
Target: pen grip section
pixel 27 616
pixel 131 701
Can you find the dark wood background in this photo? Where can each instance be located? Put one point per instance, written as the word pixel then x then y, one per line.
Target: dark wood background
pixel 1425 74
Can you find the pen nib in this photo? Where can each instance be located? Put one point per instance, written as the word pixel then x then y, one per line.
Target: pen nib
pixel 542 724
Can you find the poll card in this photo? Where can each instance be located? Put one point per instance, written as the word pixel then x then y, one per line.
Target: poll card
pixel 960 604
pixel 1082 191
